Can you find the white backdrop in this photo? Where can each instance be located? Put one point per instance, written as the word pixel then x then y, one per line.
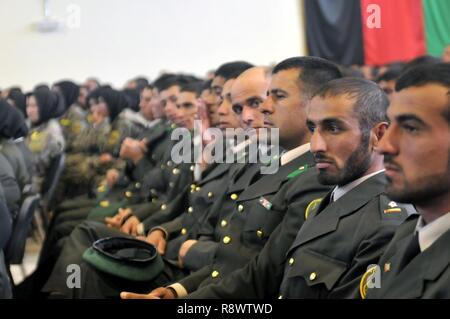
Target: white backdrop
pixel 119 39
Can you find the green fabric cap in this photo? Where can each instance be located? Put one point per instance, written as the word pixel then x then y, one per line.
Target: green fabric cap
pixel 126 258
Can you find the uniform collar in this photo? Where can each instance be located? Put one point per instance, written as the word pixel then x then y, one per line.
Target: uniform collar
pixel 429 233
pixel 340 191
pixel 294 153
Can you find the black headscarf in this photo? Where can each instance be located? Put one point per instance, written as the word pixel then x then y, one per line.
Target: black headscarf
pixel 133 97
pixel 115 100
pixel 51 104
pixel 69 90
pixel 19 99
pixel 12 122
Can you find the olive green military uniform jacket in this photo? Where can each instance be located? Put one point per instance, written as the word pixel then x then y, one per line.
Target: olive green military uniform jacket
pixel 427 275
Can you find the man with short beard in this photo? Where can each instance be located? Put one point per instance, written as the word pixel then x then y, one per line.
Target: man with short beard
pixel 416 150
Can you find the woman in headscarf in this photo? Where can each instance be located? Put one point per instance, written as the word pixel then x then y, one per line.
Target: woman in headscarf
pixel 12 132
pixel 45 139
pixel 18 99
pixel 74 121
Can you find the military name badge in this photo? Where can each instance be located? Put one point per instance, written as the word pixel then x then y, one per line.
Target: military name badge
pixel 265 203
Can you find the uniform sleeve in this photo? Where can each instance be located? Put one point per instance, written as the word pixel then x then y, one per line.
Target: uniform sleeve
pixel 193 281
pixel 200 254
pixel 173 227
pixel 10 186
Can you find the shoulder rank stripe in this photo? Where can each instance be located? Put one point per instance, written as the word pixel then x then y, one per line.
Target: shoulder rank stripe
pixel 298 171
pixel 392 210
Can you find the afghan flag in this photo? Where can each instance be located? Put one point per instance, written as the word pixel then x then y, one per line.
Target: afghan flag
pixel 376 32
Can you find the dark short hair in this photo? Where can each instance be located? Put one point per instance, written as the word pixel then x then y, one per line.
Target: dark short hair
pixel 392 73
pixel 148 87
pixel 232 70
pixel 314 72
pixel 427 74
pixel 164 81
pixel 371 102
pixel 421 60
pixel 206 85
pixel 193 86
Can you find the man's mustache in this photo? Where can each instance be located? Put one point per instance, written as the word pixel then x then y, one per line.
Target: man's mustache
pixel 321 158
pixel 389 161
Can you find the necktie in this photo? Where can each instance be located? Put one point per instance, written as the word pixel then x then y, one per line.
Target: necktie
pixel 412 250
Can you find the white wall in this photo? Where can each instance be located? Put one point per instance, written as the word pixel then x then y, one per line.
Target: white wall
pixel 119 39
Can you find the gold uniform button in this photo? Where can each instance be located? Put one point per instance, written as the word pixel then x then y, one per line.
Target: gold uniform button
pixel 313 276
pixel 215 274
pixel 173 126
pixel 192 167
pixel 101 189
pixel 210 194
pixel 291 261
pixel 169 163
pixel 226 240
pixel 175 171
pixel 137 185
pixel 163 166
pixel 234 196
pixel 193 186
pixel 280 297
pixel 163 207
pixel 190 210
pixel 259 233
pixel 223 223
pixel 104 203
pixel 184 231
pixel 128 194
pixel 198 188
pixel 240 208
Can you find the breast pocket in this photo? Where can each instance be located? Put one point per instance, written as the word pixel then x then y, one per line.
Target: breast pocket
pixel 260 223
pixel 316 269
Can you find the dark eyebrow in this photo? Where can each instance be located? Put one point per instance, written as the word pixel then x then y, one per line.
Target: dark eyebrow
pixel 332 120
pixel 409 117
pixel 253 98
pixel 275 91
pixel 187 104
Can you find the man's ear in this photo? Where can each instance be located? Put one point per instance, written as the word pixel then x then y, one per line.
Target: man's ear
pixel 378 132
